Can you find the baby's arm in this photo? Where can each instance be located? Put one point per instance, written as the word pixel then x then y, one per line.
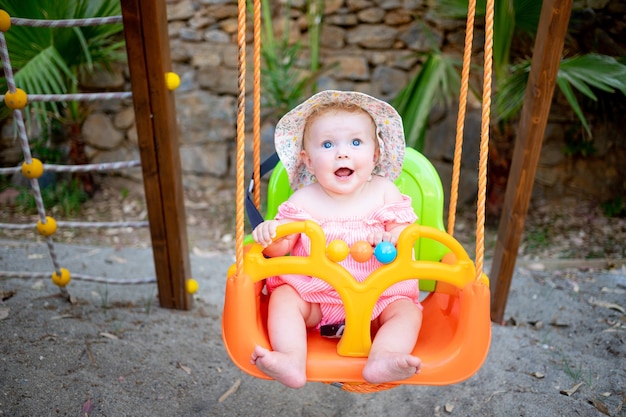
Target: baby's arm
pixel 392 231
pixel 264 234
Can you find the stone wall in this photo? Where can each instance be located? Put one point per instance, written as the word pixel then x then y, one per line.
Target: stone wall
pixel 372 46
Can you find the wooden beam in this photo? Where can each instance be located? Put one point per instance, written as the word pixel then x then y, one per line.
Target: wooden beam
pixel 147 44
pixel 538 98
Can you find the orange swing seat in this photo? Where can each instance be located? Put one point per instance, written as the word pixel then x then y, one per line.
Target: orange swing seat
pixel 456 331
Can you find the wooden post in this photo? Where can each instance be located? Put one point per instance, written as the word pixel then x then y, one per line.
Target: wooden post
pixel 539 91
pixel 147 44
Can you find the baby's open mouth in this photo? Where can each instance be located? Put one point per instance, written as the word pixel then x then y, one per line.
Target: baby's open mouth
pixel 344 172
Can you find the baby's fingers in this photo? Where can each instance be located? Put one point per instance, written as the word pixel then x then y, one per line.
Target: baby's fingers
pixel 264 236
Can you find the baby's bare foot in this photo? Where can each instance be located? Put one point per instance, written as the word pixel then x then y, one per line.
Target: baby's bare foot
pixel 281 366
pixel 391 366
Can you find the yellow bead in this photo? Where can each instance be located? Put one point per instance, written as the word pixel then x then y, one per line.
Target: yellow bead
pixel 5 21
pixel 337 250
pixel 16 100
pixel 192 286
pixel 172 80
pixel 32 170
pixel 63 279
pixel 48 228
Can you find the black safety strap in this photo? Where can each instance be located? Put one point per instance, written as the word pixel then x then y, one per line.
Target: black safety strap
pixel 254 215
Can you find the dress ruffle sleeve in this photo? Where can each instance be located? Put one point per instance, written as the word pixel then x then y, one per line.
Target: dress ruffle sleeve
pixel 397 212
pixel 288 211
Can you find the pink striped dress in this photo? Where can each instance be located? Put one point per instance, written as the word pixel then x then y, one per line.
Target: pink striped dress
pixel 350 230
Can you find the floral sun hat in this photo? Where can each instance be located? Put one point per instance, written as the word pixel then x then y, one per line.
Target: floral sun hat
pixel 290 131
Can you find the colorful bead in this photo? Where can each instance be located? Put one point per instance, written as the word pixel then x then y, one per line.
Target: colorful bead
pixel 361 251
pixel 337 250
pixel 385 252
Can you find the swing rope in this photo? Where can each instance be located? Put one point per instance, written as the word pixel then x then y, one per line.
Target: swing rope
pixel 484 140
pixel 256 111
pixel 241 137
pixel 460 122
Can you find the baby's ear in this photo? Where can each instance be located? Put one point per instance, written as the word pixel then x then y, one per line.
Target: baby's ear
pixel 306 159
pixel 377 156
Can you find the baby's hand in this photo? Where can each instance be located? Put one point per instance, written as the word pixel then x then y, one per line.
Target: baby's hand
pixel 265 232
pixel 375 238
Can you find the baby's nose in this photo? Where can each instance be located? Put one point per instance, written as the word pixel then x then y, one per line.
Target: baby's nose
pixel 343 152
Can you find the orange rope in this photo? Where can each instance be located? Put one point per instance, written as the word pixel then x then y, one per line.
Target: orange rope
pixel 241 137
pixel 460 123
pixel 484 140
pixel 366 388
pixel 256 112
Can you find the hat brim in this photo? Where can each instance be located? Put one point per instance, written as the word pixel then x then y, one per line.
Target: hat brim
pixel 290 131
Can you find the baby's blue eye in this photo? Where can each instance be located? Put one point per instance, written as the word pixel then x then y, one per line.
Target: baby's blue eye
pixel 356 142
pixel 327 145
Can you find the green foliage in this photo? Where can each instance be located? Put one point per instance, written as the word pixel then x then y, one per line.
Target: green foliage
pixel 65 196
pixel 615 207
pixel 586 73
pixel 577 143
pixel 50 60
pixel 437 81
pixel 284 83
pixel 538 238
pixel 579 75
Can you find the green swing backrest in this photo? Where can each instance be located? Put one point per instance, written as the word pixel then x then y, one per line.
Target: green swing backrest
pixel 419 180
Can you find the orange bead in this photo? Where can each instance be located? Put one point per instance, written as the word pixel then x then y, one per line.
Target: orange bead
pixel 361 251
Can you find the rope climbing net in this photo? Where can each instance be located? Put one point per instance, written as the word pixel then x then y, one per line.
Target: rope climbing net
pixel 32 168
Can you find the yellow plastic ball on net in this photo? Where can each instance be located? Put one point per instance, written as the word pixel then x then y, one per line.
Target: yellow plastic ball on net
pixel 32 170
pixel 172 81
pixel 192 286
pixel 16 100
pixel 61 279
pixel 5 21
pixel 48 228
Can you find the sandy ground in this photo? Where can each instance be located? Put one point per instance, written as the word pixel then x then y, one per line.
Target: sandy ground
pixel 115 352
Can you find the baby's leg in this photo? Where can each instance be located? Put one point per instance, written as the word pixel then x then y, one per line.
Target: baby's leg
pixel 390 357
pixel 288 319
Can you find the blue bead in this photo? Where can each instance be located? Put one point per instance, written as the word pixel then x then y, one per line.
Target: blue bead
pixel 385 252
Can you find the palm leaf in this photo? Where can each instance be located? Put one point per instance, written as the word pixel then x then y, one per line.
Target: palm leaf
pixel 526 15
pixel 580 74
pixel 510 96
pixel 504 27
pixel 46 60
pixel 566 89
pixel 586 73
pixel 45 73
pixel 593 70
pixel 436 81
